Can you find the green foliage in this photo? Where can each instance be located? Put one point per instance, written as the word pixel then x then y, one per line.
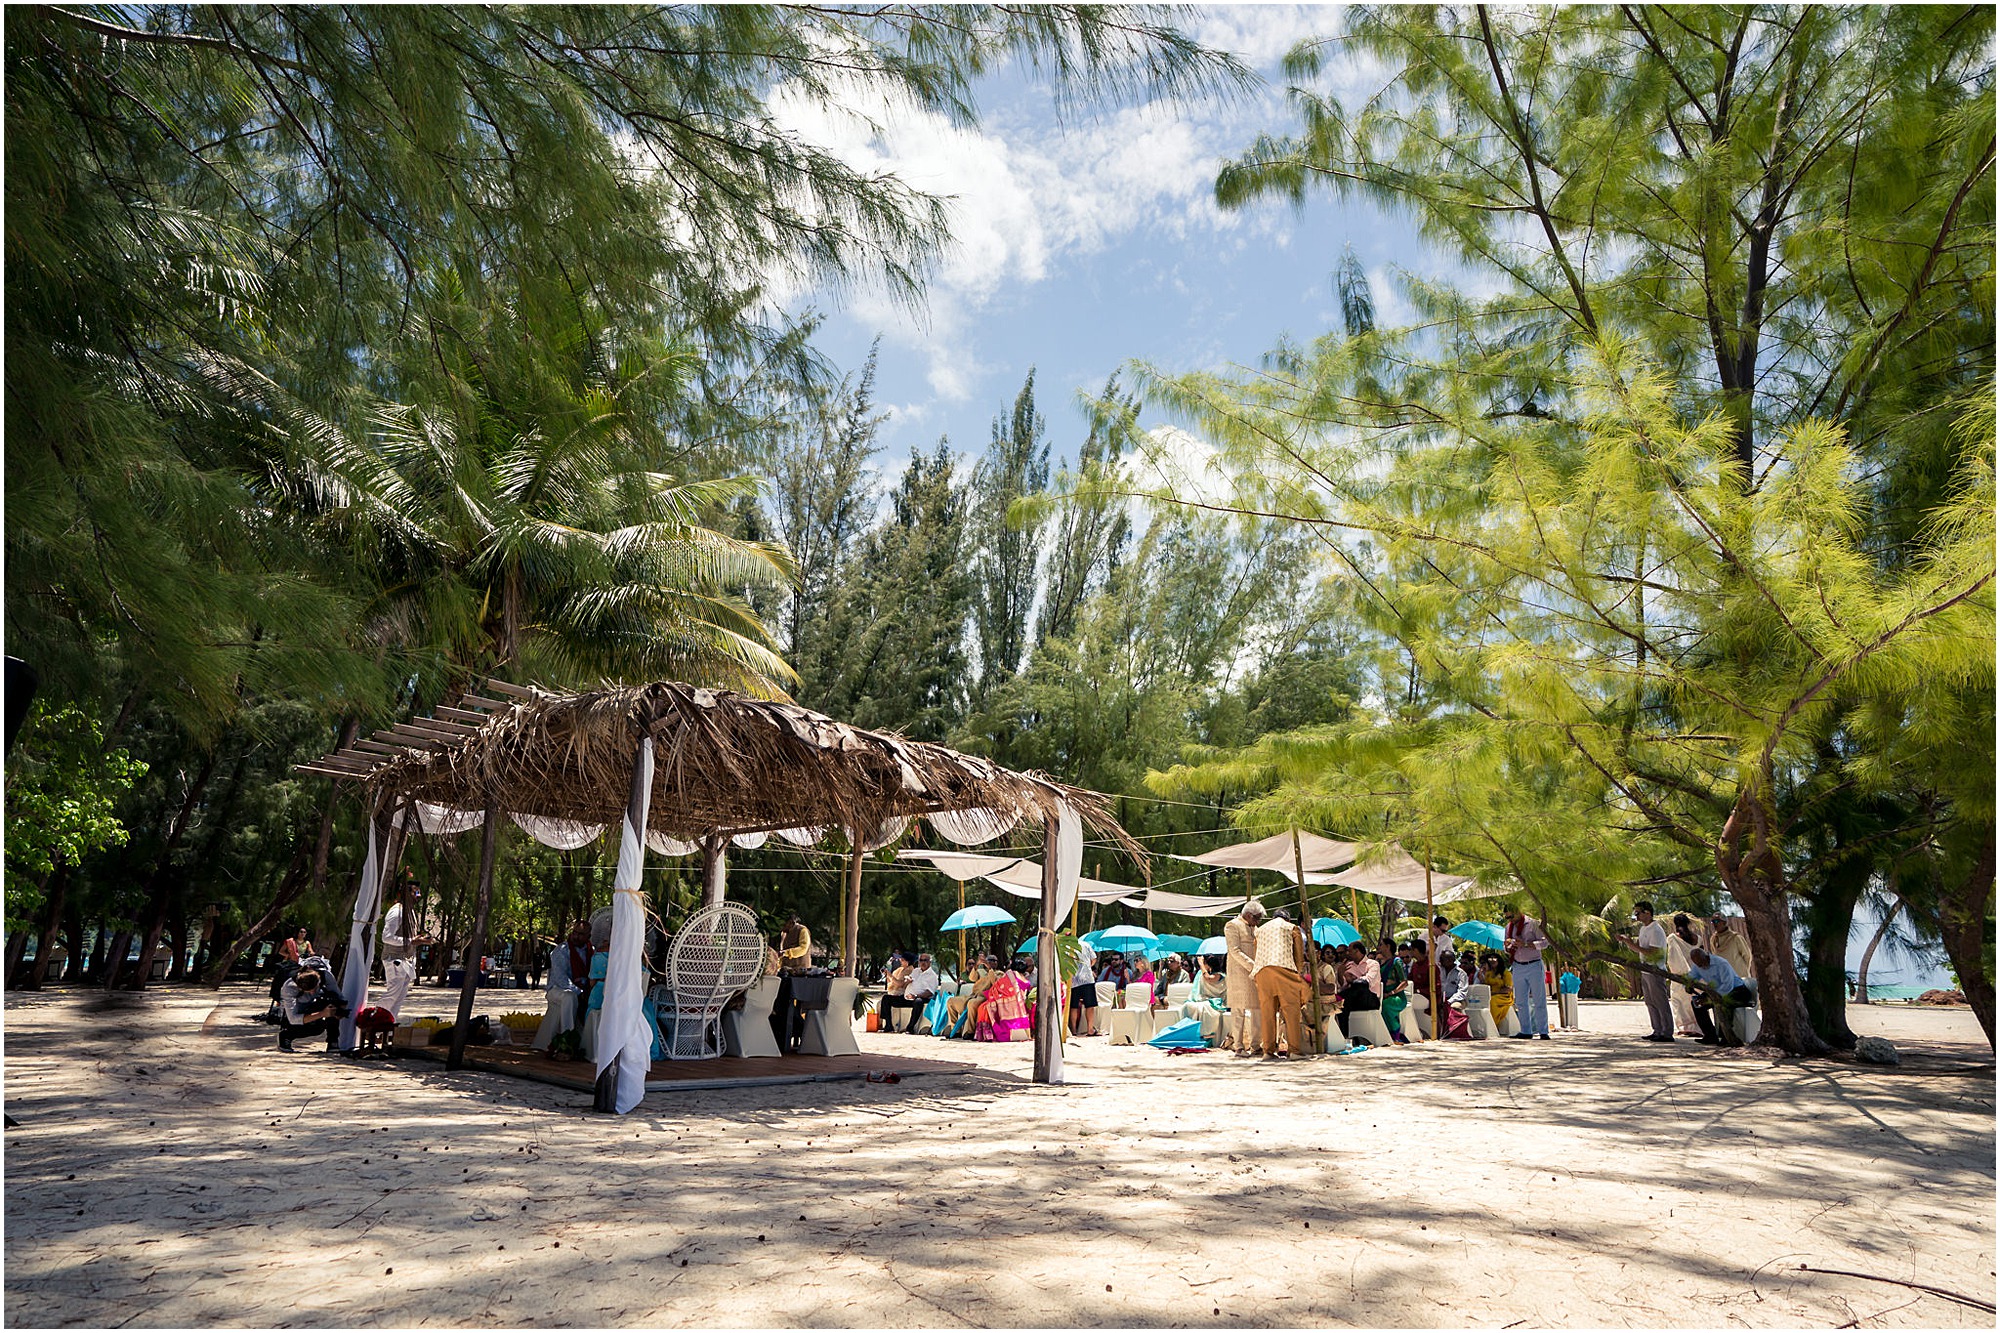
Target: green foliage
pixel 63 788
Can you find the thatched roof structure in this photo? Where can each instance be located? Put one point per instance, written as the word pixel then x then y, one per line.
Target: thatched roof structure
pixel 722 761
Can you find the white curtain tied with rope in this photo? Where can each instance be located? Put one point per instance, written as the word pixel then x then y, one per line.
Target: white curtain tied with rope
pixel 624 1038
pixel 361 941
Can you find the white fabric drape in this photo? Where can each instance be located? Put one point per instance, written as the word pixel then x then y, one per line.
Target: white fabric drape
pixel 1399 875
pixel 441 819
pixel 623 1038
pixel 666 846
pixel 885 833
pixel 750 842
pixel 558 833
pixel 971 828
pixel 962 866
pixel 802 837
pixel 1068 861
pixel 1189 904
pixel 361 941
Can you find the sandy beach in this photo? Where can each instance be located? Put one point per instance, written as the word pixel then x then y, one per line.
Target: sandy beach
pixel 171 1168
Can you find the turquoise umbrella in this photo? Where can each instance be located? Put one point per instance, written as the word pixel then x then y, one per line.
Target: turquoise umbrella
pixel 1212 947
pixel 971 918
pixel 1124 939
pixel 1480 932
pixel 1333 930
pixel 1178 943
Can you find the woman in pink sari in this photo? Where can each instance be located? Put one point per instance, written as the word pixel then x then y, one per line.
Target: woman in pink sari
pixel 1002 1010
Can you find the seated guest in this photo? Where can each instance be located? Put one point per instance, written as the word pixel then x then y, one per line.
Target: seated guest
pixel 1416 959
pixel 1500 978
pixel 895 988
pixel 1002 1009
pixel 1114 969
pixel 1452 983
pixel 921 986
pixel 1326 976
pixel 1361 985
pixel 1169 973
pixel 307 1008
pixel 1211 987
pixel 1140 973
pixel 1389 962
pixel 960 1006
pixel 1717 977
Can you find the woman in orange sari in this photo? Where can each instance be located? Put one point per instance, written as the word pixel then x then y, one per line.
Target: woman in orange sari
pixel 1002 1010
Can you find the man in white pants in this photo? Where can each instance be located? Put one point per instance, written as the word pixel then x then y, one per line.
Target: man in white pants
pixel 1525 941
pixel 399 948
pixel 1239 935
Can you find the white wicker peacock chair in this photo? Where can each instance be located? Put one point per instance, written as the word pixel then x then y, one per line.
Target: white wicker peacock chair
pixel 717 953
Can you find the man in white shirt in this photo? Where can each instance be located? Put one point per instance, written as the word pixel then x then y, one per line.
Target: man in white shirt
pixel 1083 993
pixel 919 990
pixel 1715 974
pixel 1651 946
pixel 399 948
pixel 1240 979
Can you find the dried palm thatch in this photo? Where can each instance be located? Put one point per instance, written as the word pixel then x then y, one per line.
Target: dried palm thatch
pixel 722 761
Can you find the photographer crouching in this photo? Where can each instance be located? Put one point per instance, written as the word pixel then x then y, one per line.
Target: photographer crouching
pixel 307 1006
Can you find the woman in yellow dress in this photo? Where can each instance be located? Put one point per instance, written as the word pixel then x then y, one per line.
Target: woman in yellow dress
pixel 1500 978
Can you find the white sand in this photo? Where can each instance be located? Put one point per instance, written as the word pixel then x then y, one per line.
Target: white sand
pixel 168 1172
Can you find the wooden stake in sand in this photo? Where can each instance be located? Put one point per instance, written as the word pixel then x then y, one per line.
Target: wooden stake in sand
pixel 1312 969
pixel 850 933
pixel 1430 914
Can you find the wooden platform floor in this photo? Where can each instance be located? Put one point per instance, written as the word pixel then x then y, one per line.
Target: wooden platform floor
pixel 691 1075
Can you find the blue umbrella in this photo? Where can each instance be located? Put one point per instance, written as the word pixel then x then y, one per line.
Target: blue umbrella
pixel 1212 947
pixel 1124 939
pixel 1178 943
pixel 971 918
pixel 1480 932
pixel 1093 937
pixel 1333 930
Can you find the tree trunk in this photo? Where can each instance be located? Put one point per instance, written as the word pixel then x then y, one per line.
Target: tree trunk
pixel 72 967
pixel 1967 909
pixel 93 967
pixel 1828 918
pixel 114 960
pixel 209 921
pixel 1755 877
pixel 160 887
pixel 1868 954
pixel 177 936
pixel 488 840
pixel 57 891
pixel 290 885
pixel 17 949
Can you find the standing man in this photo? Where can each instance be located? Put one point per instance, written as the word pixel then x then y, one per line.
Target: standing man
pixel 1525 941
pixel 1240 937
pixel 400 942
pixel 1281 984
pixel 1083 992
pixel 1651 947
pixel 795 946
pixel 1440 940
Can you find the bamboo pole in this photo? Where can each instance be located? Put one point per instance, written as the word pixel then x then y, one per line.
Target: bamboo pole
pixel 1305 925
pixel 1354 902
pixel 1430 913
pixel 961 934
pixel 489 838
pixel 850 915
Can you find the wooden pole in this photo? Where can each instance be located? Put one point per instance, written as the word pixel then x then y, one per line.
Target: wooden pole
pixel 961 934
pixel 1354 902
pixel 1305 924
pixel 488 839
pixel 1430 912
pixel 850 914
pixel 1048 984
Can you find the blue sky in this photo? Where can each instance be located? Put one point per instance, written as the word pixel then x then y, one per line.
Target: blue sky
pixel 1080 247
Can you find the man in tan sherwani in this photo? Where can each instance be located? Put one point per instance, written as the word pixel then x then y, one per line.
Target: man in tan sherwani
pixel 1240 935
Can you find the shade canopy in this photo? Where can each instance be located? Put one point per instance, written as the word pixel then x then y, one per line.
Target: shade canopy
pixel 1011 874
pixel 1396 874
pixel 1122 938
pixel 1178 943
pixel 1212 947
pixel 1276 853
pixel 1184 904
pixel 726 762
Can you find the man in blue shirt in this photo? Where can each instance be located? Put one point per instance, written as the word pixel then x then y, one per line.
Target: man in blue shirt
pixel 1717 977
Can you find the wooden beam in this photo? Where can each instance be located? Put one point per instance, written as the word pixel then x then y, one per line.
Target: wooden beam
pixel 512 691
pixel 378 747
pixel 327 772
pixel 439 727
pixel 1048 1015
pixel 349 760
pixel 481 701
pixel 462 714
